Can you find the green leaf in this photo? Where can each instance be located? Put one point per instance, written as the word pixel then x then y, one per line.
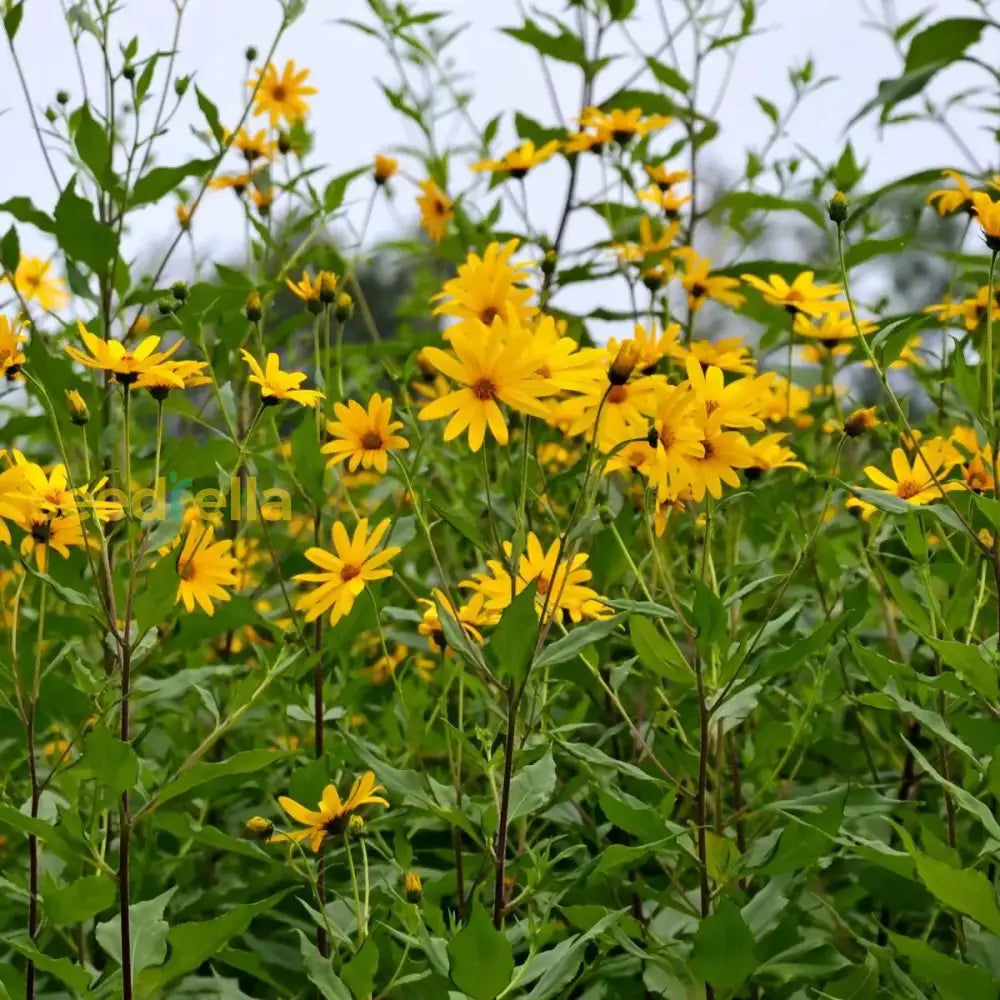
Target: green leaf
pixel 24 211
pixel 722 859
pixel 532 788
pixel 963 889
pixel 192 944
pixel 942 42
pixel 91 141
pixel 723 953
pixel 948 978
pixel 76 977
pixel 211 113
pixel 566 46
pixel 109 760
pixel 846 172
pixel 462 523
pixel 80 235
pixel 970 664
pixel 79 900
pixel 148 933
pixel 245 762
pixel 667 75
pixel 359 972
pixel 481 958
pixel 155 183
pixel 12 19
pixel 806 839
pixel 10 250
pixel 577 640
pixel 320 972
pixel 739 204
pixel 709 617
pixel 655 653
pixel 513 640
pixel 333 194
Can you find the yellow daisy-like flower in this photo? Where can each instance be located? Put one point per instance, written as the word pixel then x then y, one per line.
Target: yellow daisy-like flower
pixel 205 567
pixel 770 453
pixel 701 285
pixel 12 336
pixel 649 244
pixel 803 295
pixel 915 481
pixel 651 345
pixel 562 587
pixel 314 292
pixel 333 813
pixel 830 329
pixel 469 617
pixel 238 183
pixel 663 178
pixel 486 287
pixel 734 405
pixel 255 146
pixel 987 212
pixel 126 366
pixel 861 421
pixel 861 508
pixel 622 125
pixel 364 437
pixel 972 311
pixel 669 201
pixel 519 161
pixel 731 354
pixel 948 200
pixel 277 385
pixel 281 97
pixel 783 402
pixel 35 282
pixel 384 169
pixel 492 368
pixel 164 377
pixel 679 440
pixel 560 360
pixel 435 210
pixel 724 453
pixel 346 571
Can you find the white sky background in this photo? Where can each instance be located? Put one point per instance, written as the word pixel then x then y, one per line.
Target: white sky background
pixel 351 118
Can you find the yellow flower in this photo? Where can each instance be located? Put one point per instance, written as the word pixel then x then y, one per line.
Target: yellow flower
pixel 486 287
pixel 622 125
pixel 583 141
pixel 277 385
pixel 164 377
pixel 385 168
pixel 700 285
pixel 205 567
pixel 333 814
pixel 803 295
pixel 413 887
pixel 950 200
pixel 33 280
pixel 915 482
pixel 678 439
pixel 663 178
pixel 561 361
pixel 469 617
pixel 669 201
pixel 861 508
pixel 314 292
pixel 736 404
pixel 183 213
pixel 11 339
pixel 770 453
pixel 126 366
pixel 262 200
pixel 254 146
pixel 562 588
pixel 344 572
pixel 519 161
pixel 281 97
pixel 364 437
pixel 384 668
pixel 724 452
pixel 492 368
pixel 861 421
pixel 649 244
pixel 435 210
pixel 77 407
pixel 782 402
pixel 987 212
pixel 830 329
pixel 972 311
pixel 651 345
pixel 258 828
pixel 731 354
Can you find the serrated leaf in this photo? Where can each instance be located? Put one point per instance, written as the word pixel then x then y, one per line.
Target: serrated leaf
pixel 481 958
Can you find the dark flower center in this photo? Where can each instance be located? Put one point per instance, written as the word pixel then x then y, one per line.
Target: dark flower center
pixel 371 441
pixel 349 572
pixel 483 389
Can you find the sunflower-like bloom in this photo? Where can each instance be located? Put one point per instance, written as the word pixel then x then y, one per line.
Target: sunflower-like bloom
pixel 470 618
pixel 663 178
pixel 669 201
pixel 281 97
pixel 435 210
pixel 35 282
pixel 332 814
pixel 277 385
pixel 492 368
pixel 364 437
pixel 206 568
pixel 164 377
pixel 679 439
pixel 770 453
pixel 971 311
pixel 126 366
pixel 830 329
pixel 948 200
pixel 723 453
pixel 861 421
pixel 731 354
pixel 384 168
pixel 701 285
pixel 860 509
pixel 803 295
pixel 561 361
pixel 486 287
pixel 987 212
pixel 649 244
pixel 345 572
pixel 253 146
pixel 734 405
pixel 519 161
pixel 622 125
pixel 916 481
pixel 651 346
pixel 559 588
pixel 238 183
pixel 11 339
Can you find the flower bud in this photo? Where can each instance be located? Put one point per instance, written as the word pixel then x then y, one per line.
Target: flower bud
pixel 837 208
pixel 549 262
pixel 427 369
pixel 62 97
pixel 258 828
pixel 250 54
pixel 166 306
pixel 78 411
pixel 50 115
pixel 284 143
pixel 385 167
pixel 606 514
pixel 138 326
pixel 254 309
pixel 344 309
pixel 327 287
pixel 413 886
pixel 181 85
pixel 183 216
pixel 179 290
pixel 355 826
pixel 652 436
pixel 860 421
pixel 128 71
pixel 624 364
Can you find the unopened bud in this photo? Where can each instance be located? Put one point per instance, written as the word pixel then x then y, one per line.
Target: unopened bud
pixel 652 436
pixel 179 290
pixel 284 143
pixel 624 364
pixel 837 208
pixel 181 85
pixel 50 115
pixel 413 886
pixel 258 828
pixel 860 421
pixel 355 826
pixel 78 411
pixel 250 54
pixel 253 308
pixel 549 262
pixel 344 309
pixel 128 71
pixel 327 287
pixel 62 97
pixel 166 306
pixel 606 514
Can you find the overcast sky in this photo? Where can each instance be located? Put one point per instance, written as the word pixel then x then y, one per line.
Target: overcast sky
pixel 352 119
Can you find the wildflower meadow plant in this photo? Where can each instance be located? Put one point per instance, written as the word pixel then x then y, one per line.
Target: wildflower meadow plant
pixel 551 554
